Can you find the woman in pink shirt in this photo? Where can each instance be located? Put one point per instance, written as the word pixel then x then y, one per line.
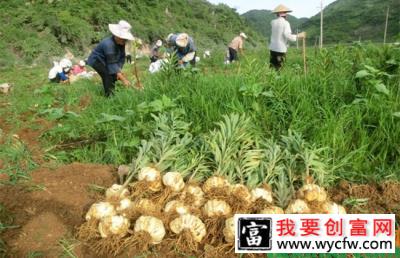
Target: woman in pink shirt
pixel 79 69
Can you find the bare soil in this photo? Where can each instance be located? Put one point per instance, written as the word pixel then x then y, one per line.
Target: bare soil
pixel 51 208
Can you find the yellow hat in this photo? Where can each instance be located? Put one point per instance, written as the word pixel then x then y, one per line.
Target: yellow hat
pixel 281 9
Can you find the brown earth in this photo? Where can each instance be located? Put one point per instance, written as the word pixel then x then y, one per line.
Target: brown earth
pixel 50 208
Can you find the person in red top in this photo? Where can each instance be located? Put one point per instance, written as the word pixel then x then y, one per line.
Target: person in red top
pixel 79 68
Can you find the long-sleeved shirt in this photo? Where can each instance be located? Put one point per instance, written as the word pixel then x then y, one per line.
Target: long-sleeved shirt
pixel 281 34
pixel 237 43
pixel 182 51
pixel 110 54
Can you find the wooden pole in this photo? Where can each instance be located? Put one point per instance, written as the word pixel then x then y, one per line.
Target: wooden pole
pixel 297 41
pixel 138 84
pixel 304 56
pixel 386 25
pixel 322 26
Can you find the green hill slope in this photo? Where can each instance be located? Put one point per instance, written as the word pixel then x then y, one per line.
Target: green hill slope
pixel 260 20
pixel 345 21
pixel 39 29
pixel 351 20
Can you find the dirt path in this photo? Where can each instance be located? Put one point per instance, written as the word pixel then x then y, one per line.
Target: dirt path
pixel 50 211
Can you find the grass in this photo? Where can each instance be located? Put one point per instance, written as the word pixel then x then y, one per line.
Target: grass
pixel 351 120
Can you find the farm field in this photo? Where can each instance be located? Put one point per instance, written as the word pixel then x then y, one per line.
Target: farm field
pixel 61 145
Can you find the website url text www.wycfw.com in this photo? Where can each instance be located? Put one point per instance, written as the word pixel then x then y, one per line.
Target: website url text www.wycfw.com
pixel 328 246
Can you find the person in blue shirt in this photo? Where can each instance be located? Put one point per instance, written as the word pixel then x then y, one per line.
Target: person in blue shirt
pixel 184 48
pixel 108 57
pixel 60 71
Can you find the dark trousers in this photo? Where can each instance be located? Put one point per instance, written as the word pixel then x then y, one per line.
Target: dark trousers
pixel 153 59
pixel 277 59
pixel 129 59
pixel 233 55
pixel 108 79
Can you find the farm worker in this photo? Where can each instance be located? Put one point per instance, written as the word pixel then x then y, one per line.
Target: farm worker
pixel 155 53
pixel 184 48
pixel 108 57
pixel 59 73
pixel 235 46
pixel 281 34
pixel 80 68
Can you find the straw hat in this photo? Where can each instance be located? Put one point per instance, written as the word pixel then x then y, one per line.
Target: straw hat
pixel 281 9
pixel 159 43
pixel 121 30
pixel 182 40
pixel 243 35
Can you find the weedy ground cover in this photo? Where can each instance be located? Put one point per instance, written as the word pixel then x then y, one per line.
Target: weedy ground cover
pixel 347 104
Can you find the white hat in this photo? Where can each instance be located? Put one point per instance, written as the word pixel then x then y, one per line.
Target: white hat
pixel 82 63
pixel 65 63
pixel 243 35
pixel 121 30
pixel 169 36
pixel 281 9
pixel 159 43
pixel 182 40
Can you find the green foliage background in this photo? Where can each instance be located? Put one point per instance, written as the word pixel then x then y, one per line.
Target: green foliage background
pixel 38 30
pixel 345 21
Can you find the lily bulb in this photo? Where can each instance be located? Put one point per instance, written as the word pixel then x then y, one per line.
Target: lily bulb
pixel 174 180
pixel 189 222
pixel 152 176
pixel 115 225
pixel 116 192
pixel 298 207
pixel 242 192
pixel 333 208
pixel 153 226
pixel 196 193
pixel 149 174
pixel 144 205
pixel 272 210
pixel 215 182
pixel 216 208
pixel 312 192
pixel 100 210
pixel 176 206
pixel 229 230
pixel 125 205
pixel 262 193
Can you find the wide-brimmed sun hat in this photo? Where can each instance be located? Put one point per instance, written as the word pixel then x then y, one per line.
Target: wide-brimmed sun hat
pixel 182 40
pixel 121 30
pixel 243 35
pixel 281 9
pixel 159 43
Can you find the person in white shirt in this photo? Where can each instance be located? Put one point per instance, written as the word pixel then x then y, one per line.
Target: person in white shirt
pixel 281 34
